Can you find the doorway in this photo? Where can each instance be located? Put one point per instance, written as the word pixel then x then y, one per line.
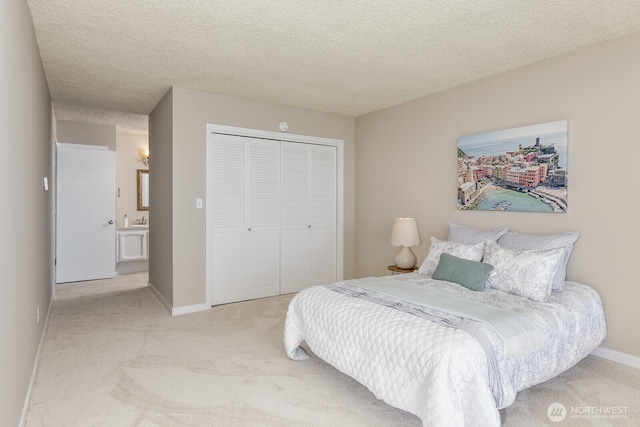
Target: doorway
pixel 85 212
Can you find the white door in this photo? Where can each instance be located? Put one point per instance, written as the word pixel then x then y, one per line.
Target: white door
pixel 296 218
pixel 309 215
pixel 263 231
pixel 85 213
pixel 227 192
pixel 323 214
pixel 245 218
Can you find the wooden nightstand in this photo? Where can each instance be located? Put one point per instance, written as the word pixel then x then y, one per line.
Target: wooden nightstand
pixel 392 270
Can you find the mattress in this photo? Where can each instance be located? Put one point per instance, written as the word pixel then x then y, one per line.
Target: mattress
pixel 447 372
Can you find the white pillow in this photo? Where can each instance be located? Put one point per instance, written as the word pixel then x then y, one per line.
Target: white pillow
pixel 461 234
pixel 541 242
pixel 461 250
pixel 524 272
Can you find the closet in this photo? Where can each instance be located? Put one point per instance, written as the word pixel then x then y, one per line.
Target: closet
pixel 308 232
pixel 272 215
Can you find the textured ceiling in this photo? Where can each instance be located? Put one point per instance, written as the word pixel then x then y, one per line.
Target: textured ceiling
pixel 123 121
pixel 348 57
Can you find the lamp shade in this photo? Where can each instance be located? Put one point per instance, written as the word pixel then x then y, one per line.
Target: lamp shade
pixel 405 232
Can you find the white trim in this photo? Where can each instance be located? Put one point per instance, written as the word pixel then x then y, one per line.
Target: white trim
pixel 82 146
pixel 208 218
pixel 276 136
pixel 266 134
pixel 186 309
pixel 177 311
pixel 617 356
pixel 34 372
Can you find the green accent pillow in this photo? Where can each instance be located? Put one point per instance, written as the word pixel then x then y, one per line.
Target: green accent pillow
pixel 470 274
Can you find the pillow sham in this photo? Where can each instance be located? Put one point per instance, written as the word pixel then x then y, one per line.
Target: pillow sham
pixel 524 272
pixel 470 274
pixel 462 234
pixel 461 250
pixel 541 242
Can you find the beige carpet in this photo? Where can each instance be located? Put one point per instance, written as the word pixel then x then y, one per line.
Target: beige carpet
pixel 113 356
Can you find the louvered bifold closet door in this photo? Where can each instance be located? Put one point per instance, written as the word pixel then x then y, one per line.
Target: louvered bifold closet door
pixel 296 217
pixel 228 194
pixel 308 215
pixel 323 214
pixel 245 203
pixel 264 219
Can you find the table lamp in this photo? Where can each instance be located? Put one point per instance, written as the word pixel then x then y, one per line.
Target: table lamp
pixel 405 234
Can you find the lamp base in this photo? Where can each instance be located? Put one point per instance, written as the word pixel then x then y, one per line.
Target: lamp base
pixel 405 259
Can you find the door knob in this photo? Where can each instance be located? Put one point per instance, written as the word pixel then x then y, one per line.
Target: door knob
pixel 110 221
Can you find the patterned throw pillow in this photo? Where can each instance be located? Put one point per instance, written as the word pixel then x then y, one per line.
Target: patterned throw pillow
pixel 545 241
pixel 461 250
pixel 523 272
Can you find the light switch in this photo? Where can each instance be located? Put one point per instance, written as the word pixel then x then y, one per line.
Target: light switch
pixel 46 183
pixel 198 203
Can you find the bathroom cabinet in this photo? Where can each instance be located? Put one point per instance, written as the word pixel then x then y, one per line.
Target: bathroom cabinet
pixel 133 244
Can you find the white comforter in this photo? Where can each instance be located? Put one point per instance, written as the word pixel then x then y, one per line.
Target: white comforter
pixel 440 373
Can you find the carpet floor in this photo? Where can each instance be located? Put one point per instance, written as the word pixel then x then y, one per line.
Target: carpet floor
pixel 113 356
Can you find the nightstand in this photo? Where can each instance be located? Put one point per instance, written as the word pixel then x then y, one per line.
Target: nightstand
pixel 392 270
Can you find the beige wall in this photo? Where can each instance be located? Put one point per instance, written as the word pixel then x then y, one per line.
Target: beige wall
pixel 25 245
pixel 127 164
pixel 161 197
pixel 71 132
pixel 192 110
pixel 406 157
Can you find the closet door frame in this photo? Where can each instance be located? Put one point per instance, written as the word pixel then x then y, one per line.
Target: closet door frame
pixel 212 129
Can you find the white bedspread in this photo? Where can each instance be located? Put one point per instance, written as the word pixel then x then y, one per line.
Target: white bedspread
pixel 440 373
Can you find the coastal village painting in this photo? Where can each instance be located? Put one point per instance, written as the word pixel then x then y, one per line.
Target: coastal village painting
pixel 521 169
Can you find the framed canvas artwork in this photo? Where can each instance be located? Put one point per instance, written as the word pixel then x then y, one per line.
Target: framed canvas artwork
pixel 521 169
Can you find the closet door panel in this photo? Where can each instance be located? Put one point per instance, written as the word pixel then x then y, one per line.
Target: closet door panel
pixel 228 193
pixel 264 219
pixel 323 214
pixel 296 217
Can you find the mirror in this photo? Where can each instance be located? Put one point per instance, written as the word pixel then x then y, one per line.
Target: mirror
pixel 143 189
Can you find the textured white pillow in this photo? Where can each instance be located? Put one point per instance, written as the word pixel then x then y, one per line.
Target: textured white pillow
pixel 461 234
pixel 461 250
pixel 524 272
pixel 540 242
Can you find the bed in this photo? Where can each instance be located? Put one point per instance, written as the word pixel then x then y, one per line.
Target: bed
pixel 451 355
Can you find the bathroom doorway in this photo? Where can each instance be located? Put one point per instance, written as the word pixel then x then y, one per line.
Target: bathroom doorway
pixel 85 213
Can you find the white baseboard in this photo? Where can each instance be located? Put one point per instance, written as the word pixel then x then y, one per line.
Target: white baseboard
pixel 34 372
pixel 616 356
pixel 186 309
pixel 176 311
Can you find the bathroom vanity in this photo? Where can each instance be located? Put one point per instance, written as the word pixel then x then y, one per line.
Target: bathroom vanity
pixel 132 249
